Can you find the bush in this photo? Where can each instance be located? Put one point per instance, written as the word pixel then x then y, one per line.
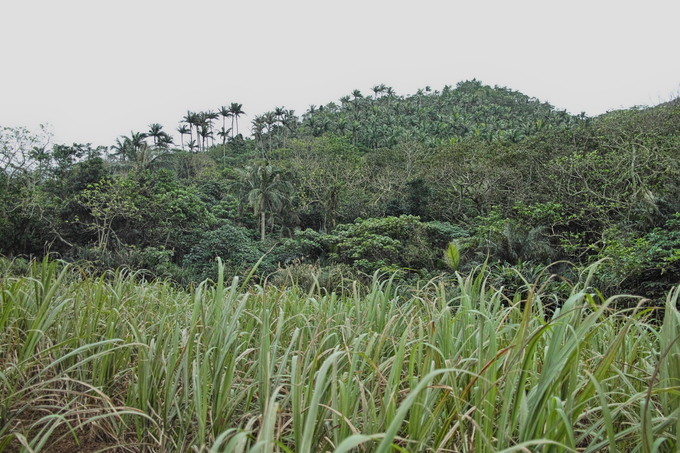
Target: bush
pixel 233 244
pixel 305 245
pixel 645 264
pixel 391 244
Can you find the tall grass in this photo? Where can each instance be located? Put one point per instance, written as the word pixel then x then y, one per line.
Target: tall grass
pixel 227 367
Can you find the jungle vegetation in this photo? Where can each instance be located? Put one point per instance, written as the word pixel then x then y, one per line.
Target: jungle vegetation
pixel 375 182
pixel 464 270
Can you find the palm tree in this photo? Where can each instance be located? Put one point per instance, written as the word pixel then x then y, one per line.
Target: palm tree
pixel 205 133
pixel 378 89
pixel 183 130
pixel 164 140
pixel 354 127
pixel 356 103
pixel 161 139
pixel 210 116
pixel 389 92
pixel 122 149
pixel 136 152
pixel 342 125
pixel 288 122
pixel 235 109
pixel 155 132
pixel 224 134
pixel 138 140
pixel 193 120
pixel 270 121
pixel 265 191
pixel 514 243
pixel 200 123
pixel 140 149
pixel 133 145
pixel 258 130
pixel 226 113
pixel 280 113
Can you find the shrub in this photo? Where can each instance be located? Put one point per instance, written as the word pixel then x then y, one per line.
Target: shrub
pixel 647 264
pixel 233 244
pixel 391 244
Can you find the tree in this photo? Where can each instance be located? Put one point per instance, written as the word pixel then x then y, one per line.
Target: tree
pixel 210 116
pixel 135 153
pixel 137 139
pixel 64 158
pixel 108 201
pixel 24 164
pixel 224 134
pixel 390 244
pixel 183 130
pixel 205 133
pixel 236 110
pixel 136 150
pixel 21 150
pixel 232 243
pixel 122 149
pixel 226 113
pixel 378 89
pixel 270 121
pixel 156 133
pixel 193 119
pixel 265 191
pixel 165 140
pixel 326 174
pixel 258 125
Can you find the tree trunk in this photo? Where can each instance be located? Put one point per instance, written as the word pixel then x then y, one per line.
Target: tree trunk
pixel 262 224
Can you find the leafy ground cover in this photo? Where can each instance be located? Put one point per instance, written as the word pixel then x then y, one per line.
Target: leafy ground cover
pixel 116 363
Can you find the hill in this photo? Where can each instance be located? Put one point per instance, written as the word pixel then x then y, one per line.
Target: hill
pixel 376 183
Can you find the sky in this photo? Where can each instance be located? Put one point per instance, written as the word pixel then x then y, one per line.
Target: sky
pixel 94 70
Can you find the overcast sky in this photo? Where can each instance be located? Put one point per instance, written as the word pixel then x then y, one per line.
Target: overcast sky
pixel 95 70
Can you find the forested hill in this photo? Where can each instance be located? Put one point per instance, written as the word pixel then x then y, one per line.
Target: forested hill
pixel 376 183
pixel 382 118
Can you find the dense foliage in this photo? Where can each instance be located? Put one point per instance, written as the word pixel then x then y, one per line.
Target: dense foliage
pixel 113 363
pixel 434 272
pixel 377 182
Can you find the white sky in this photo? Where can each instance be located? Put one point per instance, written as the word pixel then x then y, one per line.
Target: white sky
pixel 97 69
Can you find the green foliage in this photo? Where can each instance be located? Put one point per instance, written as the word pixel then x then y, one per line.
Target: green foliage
pixel 548 213
pixel 444 231
pixel 118 362
pixel 452 256
pixel 419 195
pixel 108 201
pixel 305 245
pixel 533 183
pixel 234 245
pixel 554 281
pixel 326 173
pixel 338 278
pixel 264 189
pixel 470 111
pixel 669 360
pixel 156 260
pixel 642 263
pixel 388 244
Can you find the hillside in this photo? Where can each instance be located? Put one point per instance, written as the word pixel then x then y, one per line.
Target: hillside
pixel 385 119
pixel 375 183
